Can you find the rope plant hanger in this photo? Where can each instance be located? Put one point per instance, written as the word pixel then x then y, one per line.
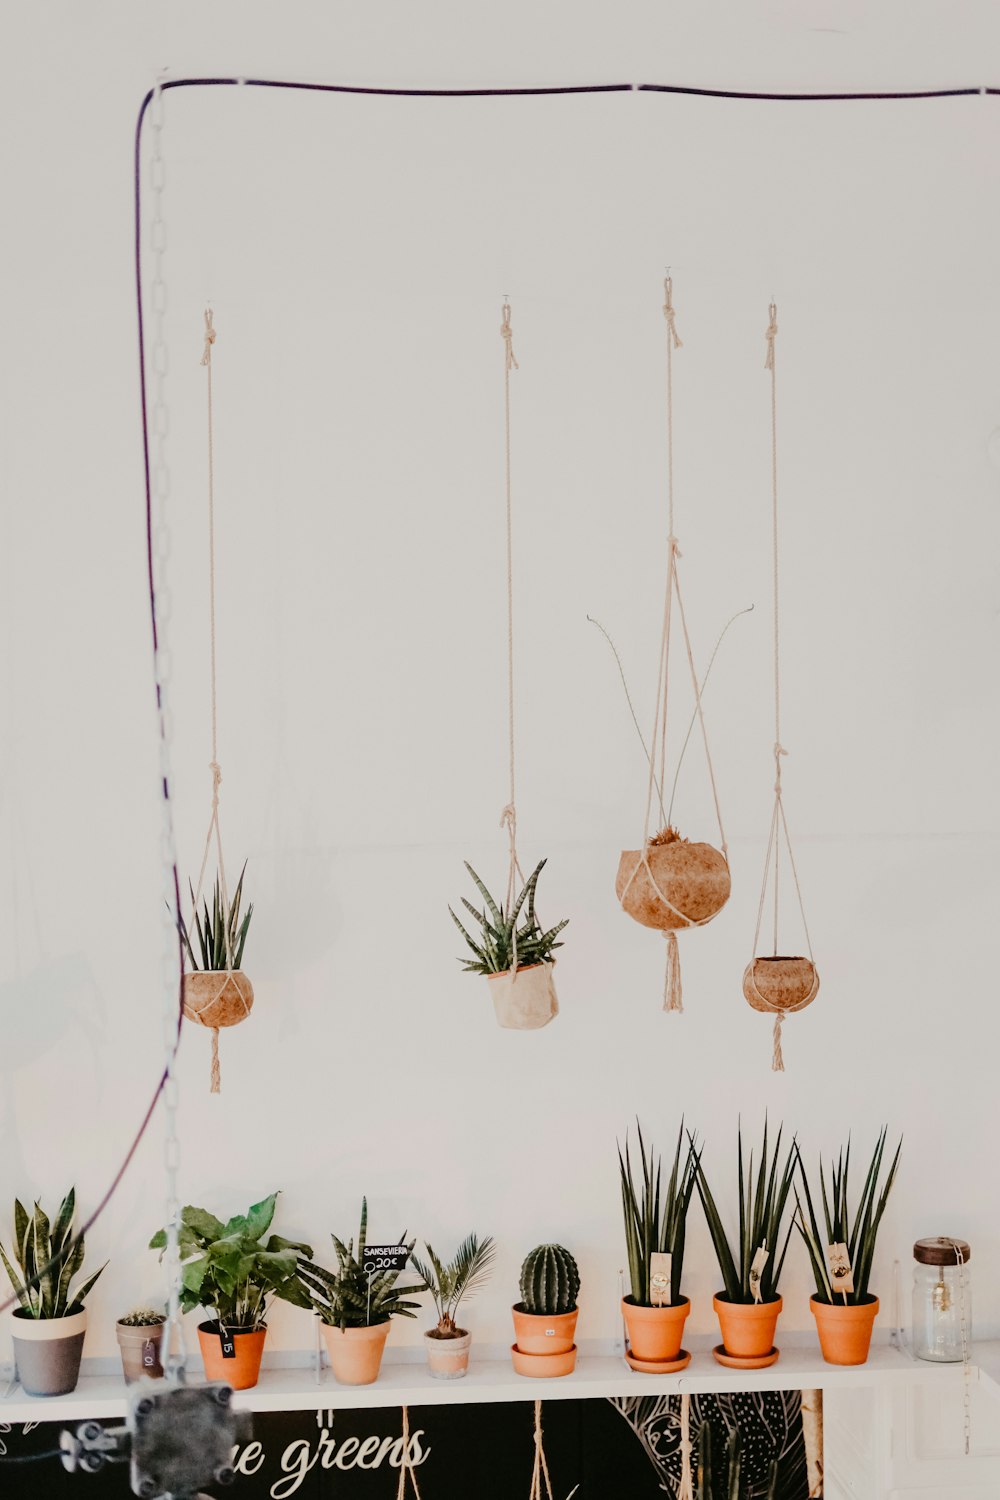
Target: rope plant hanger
pixel 511 948
pixel 217 993
pixel 668 883
pixel 772 983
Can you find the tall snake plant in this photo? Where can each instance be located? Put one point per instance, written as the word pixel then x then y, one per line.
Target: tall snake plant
pixel 48 1261
pixel 860 1235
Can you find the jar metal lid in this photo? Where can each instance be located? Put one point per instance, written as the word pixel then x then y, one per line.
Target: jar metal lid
pixel 941 1251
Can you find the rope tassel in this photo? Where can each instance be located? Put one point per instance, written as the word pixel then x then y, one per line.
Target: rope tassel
pixel 673 996
pixel 777 1061
pixel 216 1069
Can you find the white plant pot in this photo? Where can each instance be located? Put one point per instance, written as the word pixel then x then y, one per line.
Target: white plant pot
pixel 524 999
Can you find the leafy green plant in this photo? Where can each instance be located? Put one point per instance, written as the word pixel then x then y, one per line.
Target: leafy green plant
pixel 47 1256
pixel 550 1282
pixel 494 950
pixel 860 1235
pixel 142 1317
pixel 461 1277
pixel 212 926
pixel 349 1297
pixel 762 1210
pixel 226 1268
pixel 655 1222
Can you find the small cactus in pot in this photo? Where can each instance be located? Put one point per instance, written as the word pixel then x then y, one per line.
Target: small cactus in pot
pixel 545 1318
pixel 140 1335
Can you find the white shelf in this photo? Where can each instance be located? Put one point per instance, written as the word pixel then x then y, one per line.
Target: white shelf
pixel 596 1376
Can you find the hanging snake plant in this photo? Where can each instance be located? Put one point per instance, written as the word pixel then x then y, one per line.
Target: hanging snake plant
pixel 212 925
pixel 494 952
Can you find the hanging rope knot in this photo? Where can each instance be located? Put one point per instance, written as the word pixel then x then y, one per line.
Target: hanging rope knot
pixel 508 818
pixel 675 547
pixel 669 314
pixel 206 357
pixel 779 751
pixel 507 334
pixel 772 334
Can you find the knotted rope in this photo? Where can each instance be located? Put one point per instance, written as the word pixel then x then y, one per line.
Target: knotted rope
pixel 672 991
pixel 540 1473
pixel 406 1463
pixel 779 822
pixel 686 1490
pixel 214 828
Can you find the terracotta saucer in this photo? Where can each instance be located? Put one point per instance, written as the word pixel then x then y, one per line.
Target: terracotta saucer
pixel 732 1362
pixel 659 1366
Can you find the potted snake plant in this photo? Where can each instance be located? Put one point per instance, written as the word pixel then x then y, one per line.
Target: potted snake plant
pixel 232 1272
pixel 515 955
pixel 655 1226
pixel 48 1327
pixel 841 1254
pixel 748 1306
pixel 355 1305
pixel 449 1284
pixel 545 1318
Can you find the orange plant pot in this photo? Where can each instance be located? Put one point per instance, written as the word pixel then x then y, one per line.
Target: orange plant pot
pixel 543 1366
pixel 845 1333
pixel 535 1333
pixel 243 1371
pixel 356 1353
pixel 655 1334
pixel 748 1328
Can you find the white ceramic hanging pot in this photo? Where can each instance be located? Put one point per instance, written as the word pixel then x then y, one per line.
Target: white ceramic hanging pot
pixel 217 997
pixel 780 984
pixel 685 884
pixel 524 999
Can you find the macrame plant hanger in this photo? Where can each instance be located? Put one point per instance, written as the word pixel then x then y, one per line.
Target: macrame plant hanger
pixel 406 1466
pixel 776 984
pixel 214 997
pixel 671 884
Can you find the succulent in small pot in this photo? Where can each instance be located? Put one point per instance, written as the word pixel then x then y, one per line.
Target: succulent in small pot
pixel 514 954
pixel 841 1254
pixel 749 1304
pixel 217 992
pixel 140 1334
pixel 545 1318
pixel 48 1327
pixel 355 1305
pixel 449 1284
pixel 232 1272
pixel 655 1226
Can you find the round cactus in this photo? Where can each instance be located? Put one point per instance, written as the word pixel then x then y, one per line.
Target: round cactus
pixel 550 1281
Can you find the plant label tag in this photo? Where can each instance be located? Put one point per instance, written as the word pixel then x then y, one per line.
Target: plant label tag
pixel 379 1258
pixel 228 1344
pixel 838 1262
pixel 757 1270
pixel 148 1354
pixel 659 1278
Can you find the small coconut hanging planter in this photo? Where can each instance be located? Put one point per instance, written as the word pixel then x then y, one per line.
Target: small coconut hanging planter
pixel 511 948
pixel 772 983
pixel 671 883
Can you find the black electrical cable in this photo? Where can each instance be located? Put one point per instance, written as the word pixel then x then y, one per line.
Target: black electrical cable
pixel 30 1458
pixel 682 90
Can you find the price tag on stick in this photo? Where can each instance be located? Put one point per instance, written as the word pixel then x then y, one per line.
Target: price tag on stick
pixel 757 1270
pixel 838 1262
pixel 379 1258
pixel 659 1278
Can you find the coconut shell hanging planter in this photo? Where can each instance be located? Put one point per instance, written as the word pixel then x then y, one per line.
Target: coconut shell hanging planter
pixel 671 883
pixel 216 1000
pixel 775 984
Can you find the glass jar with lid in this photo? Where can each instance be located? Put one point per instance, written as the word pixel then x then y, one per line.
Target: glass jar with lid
pixel 942 1300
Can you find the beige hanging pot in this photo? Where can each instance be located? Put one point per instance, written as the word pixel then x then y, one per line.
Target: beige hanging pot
pixel 524 999
pixel 677 885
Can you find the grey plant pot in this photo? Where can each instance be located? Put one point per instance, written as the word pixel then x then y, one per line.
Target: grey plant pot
pixel 140 1350
pixel 47 1352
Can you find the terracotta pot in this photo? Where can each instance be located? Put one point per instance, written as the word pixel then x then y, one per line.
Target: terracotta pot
pixel 213 997
pixel 845 1333
pixel 140 1349
pixel 747 1327
pixel 543 1366
pixel 655 1334
pixel 694 878
pixel 47 1352
pixel 538 1333
pixel 243 1371
pixel 448 1359
pixel 785 984
pixel 524 999
pixel 356 1353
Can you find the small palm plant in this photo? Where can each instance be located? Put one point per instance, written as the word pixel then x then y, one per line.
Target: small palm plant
pixel 858 1235
pixel 450 1282
pixel 762 1212
pixel 48 1261
pixel 501 942
pixel 655 1222
pixel 213 926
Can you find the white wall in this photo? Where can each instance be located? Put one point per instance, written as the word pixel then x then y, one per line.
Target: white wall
pixel 356 252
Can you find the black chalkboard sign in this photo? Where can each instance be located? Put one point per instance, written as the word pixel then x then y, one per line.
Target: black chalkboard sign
pixel 379 1258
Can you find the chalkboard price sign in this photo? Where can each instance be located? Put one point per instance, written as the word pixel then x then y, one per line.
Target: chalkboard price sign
pixel 379 1258
pixel 228 1344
